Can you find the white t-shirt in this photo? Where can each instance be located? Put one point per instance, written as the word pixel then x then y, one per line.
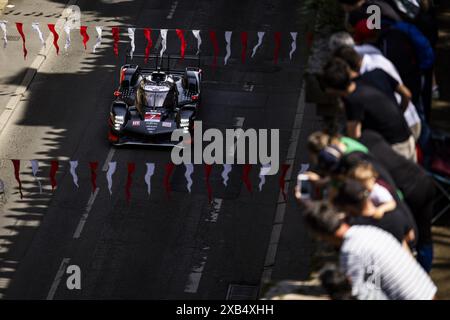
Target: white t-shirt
pixel 380 268
pixel 374 59
pixel 380 195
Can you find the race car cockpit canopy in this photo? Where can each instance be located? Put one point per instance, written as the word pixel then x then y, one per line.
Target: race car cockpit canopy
pixel 155 95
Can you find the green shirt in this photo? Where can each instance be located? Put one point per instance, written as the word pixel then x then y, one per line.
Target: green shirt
pixel 353 145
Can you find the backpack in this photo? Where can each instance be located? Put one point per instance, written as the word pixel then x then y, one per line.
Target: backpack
pixel 410 9
pixel 424 51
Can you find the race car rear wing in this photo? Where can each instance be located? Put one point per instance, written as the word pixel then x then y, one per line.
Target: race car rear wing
pixel 164 63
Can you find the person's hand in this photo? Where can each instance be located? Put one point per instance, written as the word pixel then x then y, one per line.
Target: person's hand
pixel 312 176
pixel 378 214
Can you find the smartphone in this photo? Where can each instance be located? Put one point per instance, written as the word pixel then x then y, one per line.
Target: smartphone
pixel 304 185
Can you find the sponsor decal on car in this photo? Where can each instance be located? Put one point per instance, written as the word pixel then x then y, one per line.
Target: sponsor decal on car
pixel 136 123
pixel 167 124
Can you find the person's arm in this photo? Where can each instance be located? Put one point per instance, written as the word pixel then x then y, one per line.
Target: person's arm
pixel 354 129
pixel 406 95
pixel 385 207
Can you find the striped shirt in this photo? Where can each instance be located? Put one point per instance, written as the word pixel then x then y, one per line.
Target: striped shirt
pixel 380 268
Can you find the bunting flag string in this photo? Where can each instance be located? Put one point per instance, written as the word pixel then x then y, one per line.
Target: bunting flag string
pixel 93 166
pixel 180 34
pixel 85 36
pixel 52 29
pixel 16 164
pixel 19 27
pixel 67 30
pixel 228 35
pixel 265 169
pixel 73 172
pixel 148 177
pixel 282 181
pixel 53 170
pixel 276 54
pixel 244 42
pixel 112 166
pixel 225 173
pixel 34 170
pixel 213 37
pixel 98 42
pixel 37 29
pixel 188 176
pixel 197 36
pixel 3 28
pixel 260 41
pixel 131 168
pixel 163 33
pixel 131 32
pixel 169 170
pixel 246 177
pixel 116 38
pixel 148 37
pixel 294 36
pixel 208 169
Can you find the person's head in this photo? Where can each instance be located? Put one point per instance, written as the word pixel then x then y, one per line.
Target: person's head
pixel 350 5
pixel 328 160
pixel 335 282
pixel 317 141
pixel 336 78
pixel 351 57
pixel 340 39
pixel 365 173
pixel 325 222
pixel 351 197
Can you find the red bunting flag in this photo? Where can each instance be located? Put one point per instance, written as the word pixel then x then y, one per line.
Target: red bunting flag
pixel 53 169
pixel 116 37
pixel 246 178
pixel 148 36
pixel 131 169
pixel 277 46
pixel 244 42
pixel 16 164
pixel 19 27
pixel 93 166
pixel 213 37
pixel 180 34
pixel 51 27
pixel 169 170
pixel 84 34
pixel 208 169
pixel 282 181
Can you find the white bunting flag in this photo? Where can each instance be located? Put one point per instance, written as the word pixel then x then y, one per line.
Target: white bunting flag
pixel 294 44
pixel 35 169
pixel 73 172
pixel 3 27
pixel 188 175
pixel 148 176
pixel 260 40
pixel 111 169
pixel 98 42
pixel 265 169
pixel 228 35
pixel 197 36
pixel 163 41
pixel 132 43
pixel 226 171
pixel 67 29
pixel 35 26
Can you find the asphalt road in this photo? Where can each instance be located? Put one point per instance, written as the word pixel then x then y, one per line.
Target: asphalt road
pixel 152 248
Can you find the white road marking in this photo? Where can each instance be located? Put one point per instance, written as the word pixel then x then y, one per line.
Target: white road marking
pixel 85 215
pixel 58 278
pixel 172 10
pixel 281 207
pixel 109 157
pixel 196 274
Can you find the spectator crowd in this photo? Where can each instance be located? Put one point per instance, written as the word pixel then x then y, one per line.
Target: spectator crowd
pixel 369 193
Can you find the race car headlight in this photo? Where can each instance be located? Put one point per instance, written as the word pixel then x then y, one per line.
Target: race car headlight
pixel 117 121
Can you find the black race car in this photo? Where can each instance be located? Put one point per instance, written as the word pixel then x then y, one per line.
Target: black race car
pixel 151 103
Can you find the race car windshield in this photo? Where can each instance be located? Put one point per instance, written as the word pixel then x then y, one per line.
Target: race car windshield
pixel 157 99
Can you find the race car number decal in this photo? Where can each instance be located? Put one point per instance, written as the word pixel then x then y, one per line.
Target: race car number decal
pixel 153 117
